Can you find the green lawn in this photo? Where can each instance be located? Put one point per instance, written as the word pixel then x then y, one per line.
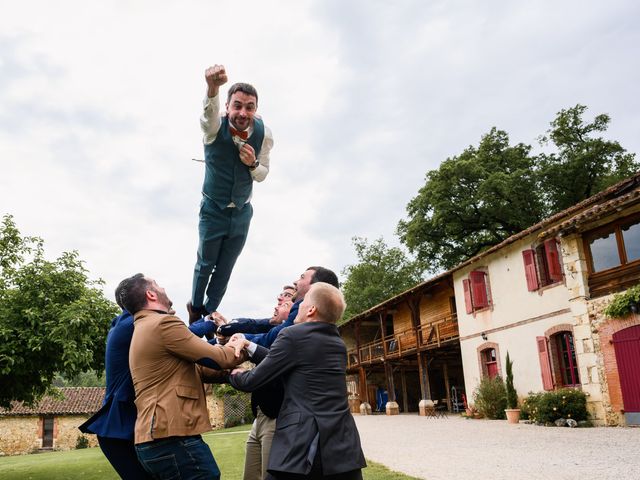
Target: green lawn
pixel 89 464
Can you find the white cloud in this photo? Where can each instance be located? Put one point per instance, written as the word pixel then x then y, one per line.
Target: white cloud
pixel 99 106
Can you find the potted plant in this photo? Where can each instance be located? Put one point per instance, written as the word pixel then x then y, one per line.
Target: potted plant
pixel 512 410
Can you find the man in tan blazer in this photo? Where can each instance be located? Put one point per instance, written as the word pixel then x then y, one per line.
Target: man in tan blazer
pixel 168 366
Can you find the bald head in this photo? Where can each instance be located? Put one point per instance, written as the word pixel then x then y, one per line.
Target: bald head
pixel 322 303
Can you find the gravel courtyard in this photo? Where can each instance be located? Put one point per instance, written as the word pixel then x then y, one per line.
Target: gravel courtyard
pixel 457 448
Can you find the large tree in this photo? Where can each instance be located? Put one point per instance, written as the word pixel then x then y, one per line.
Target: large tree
pixel 381 272
pixel 583 163
pixel 53 318
pixel 486 194
pixel 472 201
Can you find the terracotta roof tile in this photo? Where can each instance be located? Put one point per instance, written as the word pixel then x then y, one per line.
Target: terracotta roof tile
pixel 74 400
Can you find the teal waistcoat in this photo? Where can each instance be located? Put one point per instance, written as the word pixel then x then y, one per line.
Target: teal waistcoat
pixel 226 178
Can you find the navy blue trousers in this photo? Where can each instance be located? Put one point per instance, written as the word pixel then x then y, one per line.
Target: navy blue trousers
pixel 178 458
pixel 223 233
pixel 122 456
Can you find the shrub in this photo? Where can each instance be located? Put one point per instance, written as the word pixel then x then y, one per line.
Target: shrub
pixel 82 442
pixel 547 407
pixel 529 406
pixel 512 395
pixel 490 397
pixel 624 303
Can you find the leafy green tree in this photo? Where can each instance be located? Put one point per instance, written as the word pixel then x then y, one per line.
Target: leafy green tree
pixel 472 202
pixel 584 163
pixel 90 378
pixel 53 319
pixel 381 272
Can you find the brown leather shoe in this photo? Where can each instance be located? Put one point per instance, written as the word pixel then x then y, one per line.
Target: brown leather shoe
pixel 195 314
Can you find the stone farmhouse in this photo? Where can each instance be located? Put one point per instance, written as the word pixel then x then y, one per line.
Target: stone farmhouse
pixel 539 295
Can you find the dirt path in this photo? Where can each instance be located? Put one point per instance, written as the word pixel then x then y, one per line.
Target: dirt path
pixel 456 448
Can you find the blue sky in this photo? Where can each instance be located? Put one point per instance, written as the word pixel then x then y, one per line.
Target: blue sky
pixel 99 107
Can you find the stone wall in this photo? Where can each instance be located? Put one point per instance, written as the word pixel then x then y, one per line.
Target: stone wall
pixel 23 434
pixel 593 382
pixel 68 433
pixel 19 435
pixel 604 328
pixel 216 410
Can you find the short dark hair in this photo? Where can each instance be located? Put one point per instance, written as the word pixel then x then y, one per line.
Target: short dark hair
pixel 131 293
pixel 244 88
pixel 321 274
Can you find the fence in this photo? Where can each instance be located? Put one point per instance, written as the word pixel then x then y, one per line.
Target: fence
pixel 237 409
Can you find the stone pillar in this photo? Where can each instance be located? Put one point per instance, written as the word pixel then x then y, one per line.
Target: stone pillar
pixel 426 407
pixel 392 408
pixel 585 335
pixel 365 408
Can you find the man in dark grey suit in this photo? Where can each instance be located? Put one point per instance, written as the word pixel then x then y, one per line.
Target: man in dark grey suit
pixel 316 436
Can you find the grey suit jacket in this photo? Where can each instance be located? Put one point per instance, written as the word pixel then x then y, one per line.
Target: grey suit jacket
pixel 311 358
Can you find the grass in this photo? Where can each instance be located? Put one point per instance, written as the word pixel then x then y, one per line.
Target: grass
pixel 89 464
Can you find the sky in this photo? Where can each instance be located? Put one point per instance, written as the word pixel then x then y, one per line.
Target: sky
pixel 100 101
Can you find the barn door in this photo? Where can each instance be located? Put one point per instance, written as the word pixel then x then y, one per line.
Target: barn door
pixel 627 347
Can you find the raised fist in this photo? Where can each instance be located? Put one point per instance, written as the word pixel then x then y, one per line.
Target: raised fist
pixel 215 77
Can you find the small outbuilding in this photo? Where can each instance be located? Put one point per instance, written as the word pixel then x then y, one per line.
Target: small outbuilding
pixel 52 424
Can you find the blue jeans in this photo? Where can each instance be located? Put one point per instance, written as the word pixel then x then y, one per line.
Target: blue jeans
pixel 178 458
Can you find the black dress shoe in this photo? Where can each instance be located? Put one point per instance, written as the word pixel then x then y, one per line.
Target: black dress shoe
pixel 195 314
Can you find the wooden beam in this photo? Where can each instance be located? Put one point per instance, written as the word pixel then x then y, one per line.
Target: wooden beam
pixel 391 388
pixel 445 372
pixel 405 401
pixel 425 389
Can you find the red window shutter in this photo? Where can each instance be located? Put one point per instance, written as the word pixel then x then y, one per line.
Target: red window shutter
pixel 553 260
pixel 545 363
pixel 479 289
pixel 530 272
pixel 467 295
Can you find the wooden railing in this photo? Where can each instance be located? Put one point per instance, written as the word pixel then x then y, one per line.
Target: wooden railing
pixel 427 335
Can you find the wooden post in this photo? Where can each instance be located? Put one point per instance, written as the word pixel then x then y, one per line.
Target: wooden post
pixel 405 401
pixel 381 315
pixel 445 372
pixel 426 404
pixel 365 406
pixel 392 405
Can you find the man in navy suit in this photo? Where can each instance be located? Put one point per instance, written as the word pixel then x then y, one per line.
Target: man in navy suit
pixel 114 423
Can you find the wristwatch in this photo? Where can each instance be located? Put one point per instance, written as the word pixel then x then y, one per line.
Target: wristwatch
pixel 254 165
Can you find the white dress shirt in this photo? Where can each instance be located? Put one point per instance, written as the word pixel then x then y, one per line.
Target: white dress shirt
pixel 210 124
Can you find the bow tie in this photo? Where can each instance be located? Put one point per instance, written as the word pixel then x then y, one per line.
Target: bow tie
pixel 237 133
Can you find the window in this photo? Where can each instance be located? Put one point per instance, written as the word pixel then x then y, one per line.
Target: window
pixel 489 361
pixel 558 363
pixel 565 360
pixel 613 256
pixel 476 291
pixel 542 265
pixel 614 245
